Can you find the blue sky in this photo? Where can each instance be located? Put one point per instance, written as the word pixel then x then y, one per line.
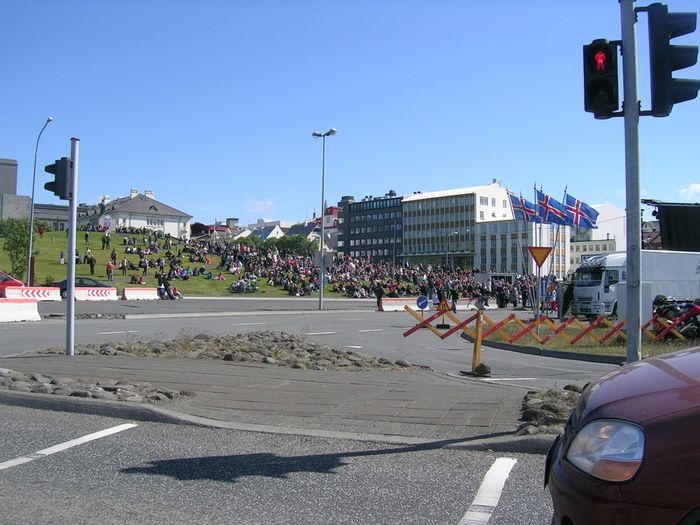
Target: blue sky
pixel 211 104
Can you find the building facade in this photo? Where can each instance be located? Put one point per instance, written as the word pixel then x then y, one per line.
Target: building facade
pixel 371 227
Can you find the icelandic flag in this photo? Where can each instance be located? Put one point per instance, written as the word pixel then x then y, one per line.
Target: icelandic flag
pixel 522 209
pixel 580 214
pixel 551 211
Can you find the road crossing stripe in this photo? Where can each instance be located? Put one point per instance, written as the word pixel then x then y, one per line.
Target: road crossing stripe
pixel 64 446
pixel 489 493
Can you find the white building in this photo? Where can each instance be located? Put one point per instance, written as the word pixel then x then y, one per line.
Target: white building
pixel 137 211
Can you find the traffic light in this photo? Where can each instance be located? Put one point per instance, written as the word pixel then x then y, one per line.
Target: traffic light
pixel 665 58
pixel 60 186
pixel 600 78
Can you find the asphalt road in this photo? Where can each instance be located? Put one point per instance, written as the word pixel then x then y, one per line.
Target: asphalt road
pixel 158 473
pixel 344 324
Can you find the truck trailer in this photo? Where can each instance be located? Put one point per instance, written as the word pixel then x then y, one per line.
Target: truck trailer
pixel 668 273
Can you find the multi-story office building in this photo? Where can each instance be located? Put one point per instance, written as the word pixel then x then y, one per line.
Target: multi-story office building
pixel 371 227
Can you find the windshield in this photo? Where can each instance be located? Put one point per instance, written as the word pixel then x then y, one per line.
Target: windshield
pixel 588 277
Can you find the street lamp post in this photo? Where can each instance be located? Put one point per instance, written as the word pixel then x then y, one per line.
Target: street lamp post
pixel 31 206
pixel 322 268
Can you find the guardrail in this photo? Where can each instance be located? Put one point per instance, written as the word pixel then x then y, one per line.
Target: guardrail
pixel 39 293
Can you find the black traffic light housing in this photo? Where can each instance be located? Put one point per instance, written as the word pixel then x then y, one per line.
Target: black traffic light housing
pixel 601 91
pixel 666 58
pixel 60 186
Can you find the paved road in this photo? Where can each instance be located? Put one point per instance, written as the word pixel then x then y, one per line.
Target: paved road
pixel 158 473
pixel 349 325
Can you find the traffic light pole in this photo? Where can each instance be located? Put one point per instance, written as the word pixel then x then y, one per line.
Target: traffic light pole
pixel 72 224
pixel 632 202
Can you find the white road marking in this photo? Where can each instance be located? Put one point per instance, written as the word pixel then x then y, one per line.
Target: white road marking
pixel 321 333
pixel 65 446
pixel 246 324
pixel 372 330
pixel 119 332
pixel 356 347
pixel 489 493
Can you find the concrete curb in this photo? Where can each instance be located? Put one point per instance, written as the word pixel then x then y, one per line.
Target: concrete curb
pixel 502 442
pixel 534 350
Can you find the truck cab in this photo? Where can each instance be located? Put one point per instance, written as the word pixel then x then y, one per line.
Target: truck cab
pixel 595 285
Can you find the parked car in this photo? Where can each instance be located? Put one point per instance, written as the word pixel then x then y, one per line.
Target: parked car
pixel 7 280
pixel 79 283
pixel 629 452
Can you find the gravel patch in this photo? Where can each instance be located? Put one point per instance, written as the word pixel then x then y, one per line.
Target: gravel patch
pixel 266 347
pixel 546 411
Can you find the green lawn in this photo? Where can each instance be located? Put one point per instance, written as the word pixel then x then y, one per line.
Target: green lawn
pixel 48 269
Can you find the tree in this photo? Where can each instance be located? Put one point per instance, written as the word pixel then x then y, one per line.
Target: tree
pixel 16 235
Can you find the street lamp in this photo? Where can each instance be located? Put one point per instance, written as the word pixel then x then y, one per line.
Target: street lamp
pixel 31 207
pixel 317 134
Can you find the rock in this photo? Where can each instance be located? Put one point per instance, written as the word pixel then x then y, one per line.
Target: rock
pixel 527 429
pixel 403 363
pixel 269 360
pixel 573 388
pixel 40 378
pixel 63 381
pixel 42 388
pixel 342 362
pixel 80 393
pixel 21 386
pixel 155 397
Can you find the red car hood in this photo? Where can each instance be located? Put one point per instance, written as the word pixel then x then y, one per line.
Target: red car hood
pixel 647 389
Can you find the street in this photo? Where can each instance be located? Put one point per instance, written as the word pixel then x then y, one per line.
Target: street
pixel 159 473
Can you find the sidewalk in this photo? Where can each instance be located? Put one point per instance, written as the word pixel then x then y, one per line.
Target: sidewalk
pixel 393 406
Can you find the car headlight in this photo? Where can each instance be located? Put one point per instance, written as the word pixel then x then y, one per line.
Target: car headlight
pixel 608 449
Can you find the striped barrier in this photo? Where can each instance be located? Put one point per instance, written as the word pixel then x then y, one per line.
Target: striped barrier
pixel 139 294
pixel 13 310
pixel 95 294
pixel 39 293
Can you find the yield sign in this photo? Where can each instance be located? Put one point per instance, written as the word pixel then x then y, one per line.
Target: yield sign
pixel 539 253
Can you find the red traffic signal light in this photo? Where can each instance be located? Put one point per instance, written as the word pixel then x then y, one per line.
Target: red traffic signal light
pixel 601 91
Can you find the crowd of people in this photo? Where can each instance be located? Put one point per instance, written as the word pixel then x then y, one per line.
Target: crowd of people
pixel 180 259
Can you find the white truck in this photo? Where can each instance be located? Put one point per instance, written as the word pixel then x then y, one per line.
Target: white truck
pixel 595 282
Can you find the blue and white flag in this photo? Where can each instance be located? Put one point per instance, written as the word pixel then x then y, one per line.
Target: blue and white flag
pixel 522 209
pixel 551 210
pixel 580 214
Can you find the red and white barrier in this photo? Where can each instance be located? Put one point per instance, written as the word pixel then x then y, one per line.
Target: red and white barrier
pixel 13 310
pixel 129 294
pixel 95 294
pixel 40 293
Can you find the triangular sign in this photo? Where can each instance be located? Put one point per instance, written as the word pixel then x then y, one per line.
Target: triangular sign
pixel 443 307
pixel 539 253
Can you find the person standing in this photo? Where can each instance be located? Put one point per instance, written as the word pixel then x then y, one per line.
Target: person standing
pixel 92 261
pixel 110 271
pixel 379 293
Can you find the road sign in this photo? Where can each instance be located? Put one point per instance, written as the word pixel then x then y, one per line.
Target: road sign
pixel 539 253
pixel 422 302
pixel 443 306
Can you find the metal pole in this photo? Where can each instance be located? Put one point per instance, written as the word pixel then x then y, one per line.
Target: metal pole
pixel 323 229
pixel 72 218
pixel 632 202
pixel 31 205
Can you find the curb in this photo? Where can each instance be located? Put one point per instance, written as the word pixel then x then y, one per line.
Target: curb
pixel 558 354
pixel 503 442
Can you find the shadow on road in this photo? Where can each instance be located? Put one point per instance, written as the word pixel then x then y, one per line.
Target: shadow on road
pixel 231 467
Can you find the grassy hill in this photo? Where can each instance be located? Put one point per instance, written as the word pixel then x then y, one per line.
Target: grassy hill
pixel 48 269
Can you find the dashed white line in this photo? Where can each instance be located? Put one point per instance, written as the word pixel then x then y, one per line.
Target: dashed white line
pixel 64 446
pixel 356 347
pixel 372 330
pixel 246 324
pixel 119 332
pixel 321 333
pixel 489 493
